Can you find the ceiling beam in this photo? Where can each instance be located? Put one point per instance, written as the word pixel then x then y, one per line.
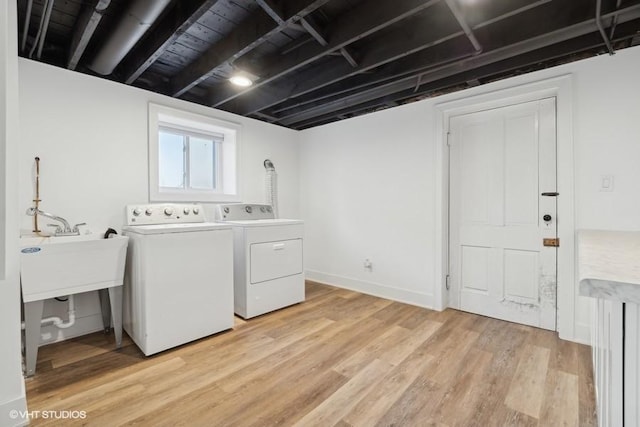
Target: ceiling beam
pixel 252 32
pixel 88 21
pixel 346 53
pixel 500 54
pixel 424 60
pixel 266 117
pixel 272 10
pixel 361 21
pixel 464 25
pixel 314 30
pixel 163 34
pixel 440 56
pixel 296 44
pixel 306 24
pixel 393 46
pixel 445 53
pixel 560 50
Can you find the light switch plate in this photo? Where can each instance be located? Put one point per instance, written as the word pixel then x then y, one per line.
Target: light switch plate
pixel 606 183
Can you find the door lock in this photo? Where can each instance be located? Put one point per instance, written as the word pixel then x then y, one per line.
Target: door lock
pixel 547 218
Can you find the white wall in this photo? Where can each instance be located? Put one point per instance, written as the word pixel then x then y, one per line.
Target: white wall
pixel 367 191
pixel 91 137
pixel 12 395
pixel 367 184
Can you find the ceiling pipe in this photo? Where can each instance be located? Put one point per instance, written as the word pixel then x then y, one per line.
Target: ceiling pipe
pixel 601 28
pixel 45 28
pixel 614 21
pixel 136 21
pixel 89 21
pixel 39 32
pixel 25 30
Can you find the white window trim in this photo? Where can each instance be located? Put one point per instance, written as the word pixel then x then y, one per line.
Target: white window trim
pixel 229 156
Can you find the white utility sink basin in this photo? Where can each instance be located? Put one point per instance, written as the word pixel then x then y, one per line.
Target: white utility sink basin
pixel 65 265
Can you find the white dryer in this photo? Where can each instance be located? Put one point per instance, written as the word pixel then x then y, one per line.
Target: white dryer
pixel 268 258
pixel 179 276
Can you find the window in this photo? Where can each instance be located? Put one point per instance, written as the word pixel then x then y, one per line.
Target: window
pixel 191 157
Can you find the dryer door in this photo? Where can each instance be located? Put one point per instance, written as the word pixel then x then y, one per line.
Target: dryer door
pixel 272 260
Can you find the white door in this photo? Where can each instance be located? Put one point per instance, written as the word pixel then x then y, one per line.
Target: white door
pixel 501 161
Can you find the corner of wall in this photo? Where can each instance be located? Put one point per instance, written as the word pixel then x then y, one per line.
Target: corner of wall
pixel 12 393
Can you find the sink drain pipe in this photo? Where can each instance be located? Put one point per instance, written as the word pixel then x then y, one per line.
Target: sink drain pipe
pixel 57 321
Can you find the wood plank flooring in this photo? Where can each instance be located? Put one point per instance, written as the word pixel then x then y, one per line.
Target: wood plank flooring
pixel 339 359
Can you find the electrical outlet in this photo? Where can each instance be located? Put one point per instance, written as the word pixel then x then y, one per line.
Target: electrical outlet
pixel 368 265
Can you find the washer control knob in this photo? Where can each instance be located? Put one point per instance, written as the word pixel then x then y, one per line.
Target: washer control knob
pixel 186 211
pixel 226 209
pixel 196 211
pixel 262 209
pixel 137 212
pixel 148 212
pixel 268 208
pixel 168 211
pixel 248 209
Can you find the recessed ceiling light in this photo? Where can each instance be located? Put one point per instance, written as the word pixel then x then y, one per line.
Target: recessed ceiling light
pixel 240 80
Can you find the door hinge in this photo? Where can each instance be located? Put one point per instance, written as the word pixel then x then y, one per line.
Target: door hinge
pixel 447 282
pixel 448 137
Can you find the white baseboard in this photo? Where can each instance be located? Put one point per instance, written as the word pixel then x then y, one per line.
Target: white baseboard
pixel 14 412
pixel 582 334
pixel 375 289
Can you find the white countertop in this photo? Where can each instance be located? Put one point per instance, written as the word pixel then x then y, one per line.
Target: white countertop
pixel 609 264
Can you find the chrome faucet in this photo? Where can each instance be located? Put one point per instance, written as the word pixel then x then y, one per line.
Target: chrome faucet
pixel 65 230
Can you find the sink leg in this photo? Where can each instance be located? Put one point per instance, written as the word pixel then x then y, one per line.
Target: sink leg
pixel 105 308
pixel 115 297
pixel 32 318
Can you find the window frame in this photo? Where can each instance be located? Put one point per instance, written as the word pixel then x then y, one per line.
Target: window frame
pixel 186 157
pixel 227 150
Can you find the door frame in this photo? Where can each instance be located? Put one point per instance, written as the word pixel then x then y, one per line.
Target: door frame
pixel 561 88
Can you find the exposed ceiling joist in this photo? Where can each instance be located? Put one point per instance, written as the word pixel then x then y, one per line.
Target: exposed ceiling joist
pixel 314 30
pixel 500 54
pixel 443 54
pixel 317 61
pixel 512 64
pixel 162 36
pixel 272 10
pixel 346 53
pixel 296 44
pixel 359 22
pixel 242 39
pixel 464 25
pixel 398 44
pixel 306 23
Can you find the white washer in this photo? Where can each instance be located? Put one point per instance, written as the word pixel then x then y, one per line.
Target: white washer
pixel 179 276
pixel 268 258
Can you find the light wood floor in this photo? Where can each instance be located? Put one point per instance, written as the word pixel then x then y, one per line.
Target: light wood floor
pixel 341 358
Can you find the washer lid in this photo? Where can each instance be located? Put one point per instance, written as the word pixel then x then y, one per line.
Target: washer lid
pixel 264 222
pixel 175 228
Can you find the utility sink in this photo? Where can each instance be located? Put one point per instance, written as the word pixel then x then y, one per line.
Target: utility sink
pixel 65 265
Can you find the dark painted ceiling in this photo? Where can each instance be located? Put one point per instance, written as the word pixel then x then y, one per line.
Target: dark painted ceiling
pixel 318 61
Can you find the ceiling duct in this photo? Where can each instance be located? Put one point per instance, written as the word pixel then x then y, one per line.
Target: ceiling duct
pixel 136 21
